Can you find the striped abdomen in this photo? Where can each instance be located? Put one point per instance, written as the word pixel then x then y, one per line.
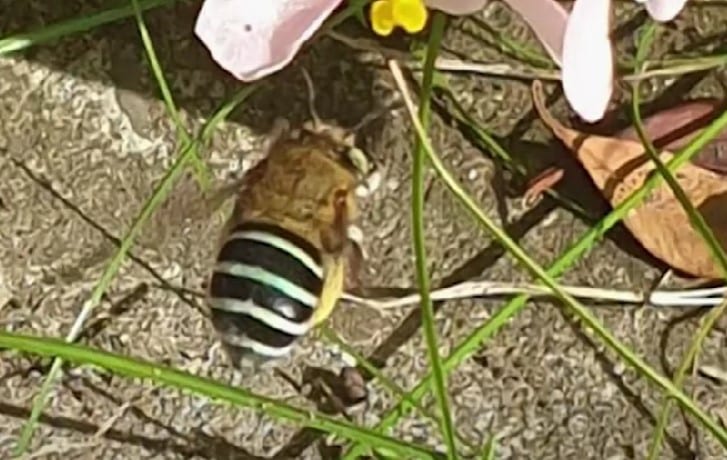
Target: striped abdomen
pixel 264 288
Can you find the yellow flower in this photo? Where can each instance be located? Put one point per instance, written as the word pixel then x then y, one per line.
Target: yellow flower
pixel 410 15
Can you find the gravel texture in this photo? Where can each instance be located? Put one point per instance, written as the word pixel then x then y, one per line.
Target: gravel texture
pixel 89 139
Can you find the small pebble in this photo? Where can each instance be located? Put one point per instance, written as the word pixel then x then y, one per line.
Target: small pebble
pixel 354 385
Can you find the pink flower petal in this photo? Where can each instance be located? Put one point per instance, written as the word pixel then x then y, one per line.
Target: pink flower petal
pixel 588 59
pixel 254 39
pixel 547 19
pixel 664 10
pixel 457 7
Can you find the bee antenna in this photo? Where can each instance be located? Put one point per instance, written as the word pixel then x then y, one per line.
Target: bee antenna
pixel 311 98
pixel 375 114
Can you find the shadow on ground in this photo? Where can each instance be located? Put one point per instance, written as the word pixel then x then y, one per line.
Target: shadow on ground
pixel 577 397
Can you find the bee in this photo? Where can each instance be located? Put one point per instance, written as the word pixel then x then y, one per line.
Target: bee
pixel 291 244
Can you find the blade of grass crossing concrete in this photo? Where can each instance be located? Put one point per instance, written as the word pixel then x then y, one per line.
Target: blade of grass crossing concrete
pixel 472 343
pixel 209 388
pixel 201 171
pixel 25 40
pixel 113 266
pixel 384 381
pixel 417 216
pixel 649 32
pixel 576 307
pixel 489 449
pixel 687 361
pixel 696 219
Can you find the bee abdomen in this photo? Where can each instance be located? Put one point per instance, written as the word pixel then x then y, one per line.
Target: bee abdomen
pixel 264 288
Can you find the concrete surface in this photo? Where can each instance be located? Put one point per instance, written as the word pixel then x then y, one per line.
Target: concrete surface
pixel 82 118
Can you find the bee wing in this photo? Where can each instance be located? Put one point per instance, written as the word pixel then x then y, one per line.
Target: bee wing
pixel 354 257
pixel 203 205
pixel 240 188
pixel 186 207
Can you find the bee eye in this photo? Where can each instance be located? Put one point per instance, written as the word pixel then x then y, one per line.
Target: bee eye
pixel 339 198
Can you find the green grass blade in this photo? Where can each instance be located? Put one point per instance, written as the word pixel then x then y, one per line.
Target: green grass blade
pixel 521 52
pixel 188 150
pixel 487 143
pixel 200 168
pixel 132 367
pixel 417 205
pixel 689 357
pixel 489 449
pixel 112 268
pixel 576 308
pixel 396 390
pixel 62 29
pixel 460 353
pixel 696 220
pixel 472 343
pixel 352 8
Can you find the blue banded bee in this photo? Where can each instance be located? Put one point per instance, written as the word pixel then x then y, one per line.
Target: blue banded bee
pixel 291 242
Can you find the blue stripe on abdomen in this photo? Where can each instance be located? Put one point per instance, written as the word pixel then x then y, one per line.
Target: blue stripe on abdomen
pixel 284 262
pixel 265 286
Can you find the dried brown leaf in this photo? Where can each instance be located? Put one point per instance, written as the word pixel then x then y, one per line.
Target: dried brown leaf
pixel 674 128
pixel 538 185
pixel 620 166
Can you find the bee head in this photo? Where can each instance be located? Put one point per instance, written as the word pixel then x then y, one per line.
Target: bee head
pixel 341 145
pixel 342 142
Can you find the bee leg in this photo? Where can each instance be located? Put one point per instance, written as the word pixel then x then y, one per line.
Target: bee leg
pixel 335 242
pixel 334 238
pixel 355 256
pixel 281 126
pixel 356 238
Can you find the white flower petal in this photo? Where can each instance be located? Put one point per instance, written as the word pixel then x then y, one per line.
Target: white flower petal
pixel 252 39
pixel 664 10
pixel 457 7
pixel 547 19
pixel 588 59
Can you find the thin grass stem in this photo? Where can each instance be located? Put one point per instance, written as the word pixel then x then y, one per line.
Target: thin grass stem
pixel 417 206
pixel 215 391
pixel 114 265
